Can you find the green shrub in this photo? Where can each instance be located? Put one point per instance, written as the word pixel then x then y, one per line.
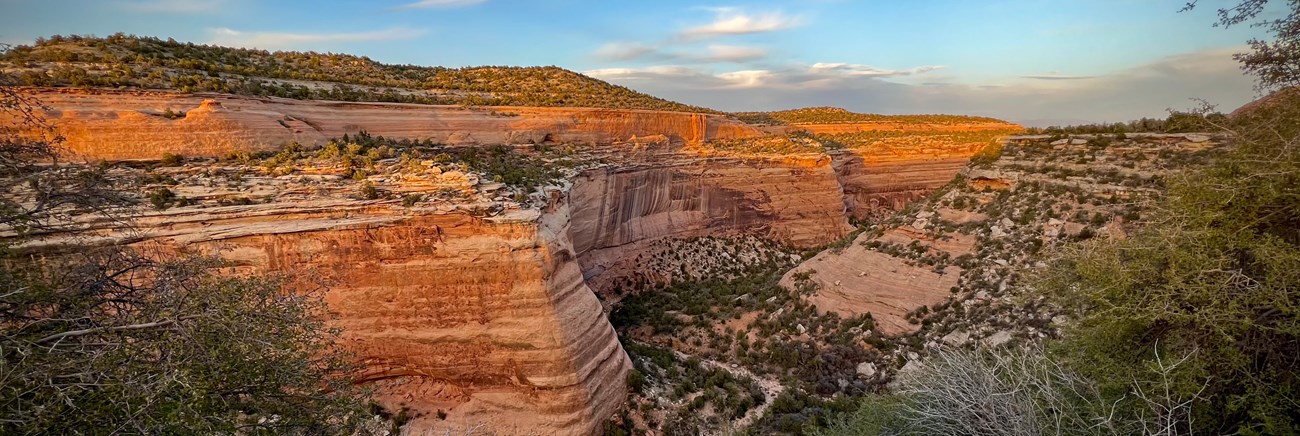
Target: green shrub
pixel 172 160
pixel 369 191
pixel 162 198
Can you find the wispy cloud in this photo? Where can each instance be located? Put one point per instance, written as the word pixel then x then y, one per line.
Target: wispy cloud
pixel 732 21
pixel 1056 76
pixel 284 40
pixel 427 4
pixel 625 51
pixel 629 51
pixel 174 6
pixel 867 71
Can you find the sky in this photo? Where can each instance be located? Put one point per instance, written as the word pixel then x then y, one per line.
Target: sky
pixel 1036 62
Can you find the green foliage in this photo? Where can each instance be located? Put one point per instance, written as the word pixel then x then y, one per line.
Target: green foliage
pixel 1176 122
pixel 800 413
pixel 1185 122
pixel 635 380
pixel 171 160
pixel 175 350
pixel 778 145
pixel 162 198
pixel 410 200
pixel 106 340
pixel 146 62
pixel 875 415
pixel 726 396
pixel 506 165
pixel 1216 277
pixel 987 155
pixel 369 191
pixel 172 115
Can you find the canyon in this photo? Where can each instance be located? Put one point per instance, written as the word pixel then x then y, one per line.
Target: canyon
pixel 481 308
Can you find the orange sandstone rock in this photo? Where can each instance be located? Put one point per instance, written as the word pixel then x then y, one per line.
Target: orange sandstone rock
pixel 120 125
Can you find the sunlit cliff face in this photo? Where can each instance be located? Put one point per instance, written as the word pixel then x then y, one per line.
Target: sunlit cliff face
pixel 458 293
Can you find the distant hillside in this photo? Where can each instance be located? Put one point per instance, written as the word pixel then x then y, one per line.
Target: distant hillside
pixel 827 115
pixel 152 63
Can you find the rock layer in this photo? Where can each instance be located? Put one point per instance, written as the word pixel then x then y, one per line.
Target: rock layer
pixel 117 125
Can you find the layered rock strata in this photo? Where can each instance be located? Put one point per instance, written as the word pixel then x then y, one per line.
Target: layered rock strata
pixel 485 319
pixel 120 124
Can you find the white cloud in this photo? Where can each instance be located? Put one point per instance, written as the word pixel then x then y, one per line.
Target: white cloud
pixel 648 73
pixel 747 78
pixel 287 40
pixel 730 21
pixel 427 4
pixel 174 6
pixel 686 77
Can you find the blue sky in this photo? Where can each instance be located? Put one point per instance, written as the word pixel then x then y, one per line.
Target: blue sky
pixel 1035 61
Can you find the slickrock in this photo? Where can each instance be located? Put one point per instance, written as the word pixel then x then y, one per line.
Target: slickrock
pixel 858 280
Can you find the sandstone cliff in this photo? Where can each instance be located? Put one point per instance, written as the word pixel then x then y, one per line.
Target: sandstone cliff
pixel 113 124
pixel 485 318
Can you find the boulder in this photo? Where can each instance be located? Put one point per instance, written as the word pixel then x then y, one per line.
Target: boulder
pixel 998 339
pixel 867 369
pixel 956 338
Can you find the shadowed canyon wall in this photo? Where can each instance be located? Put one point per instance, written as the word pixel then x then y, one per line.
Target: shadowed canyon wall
pixel 794 200
pixel 873 184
